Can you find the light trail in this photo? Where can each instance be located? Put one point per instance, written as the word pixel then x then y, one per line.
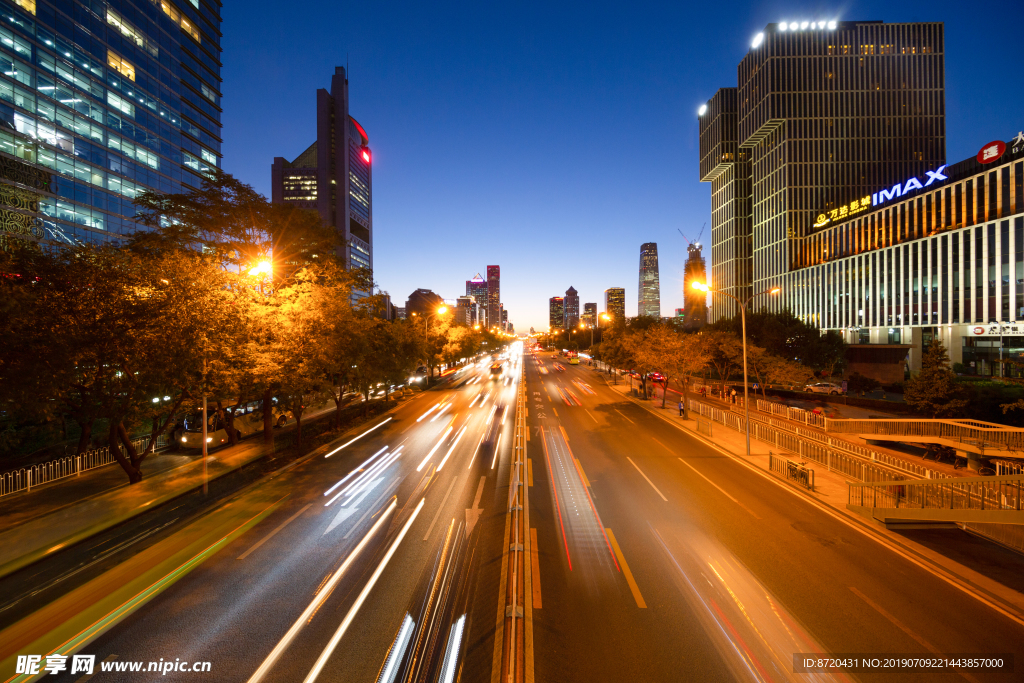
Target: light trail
pixel 432 409
pixel 445 459
pixel 496 446
pixel 475 451
pixel 279 649
pixel 364 480
pixel 353 472
pixel 503 414
pixel 357 438
pixel 474 401
pixel 434 449
pixel 491 416
pixel 354 610
pixel 445 407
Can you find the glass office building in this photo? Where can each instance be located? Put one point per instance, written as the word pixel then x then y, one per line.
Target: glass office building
pixel 649 302
pixel 571 308
pixel 938 255
pixel 556 313
pixel 823 112
pixel 101 101
pixel 615 303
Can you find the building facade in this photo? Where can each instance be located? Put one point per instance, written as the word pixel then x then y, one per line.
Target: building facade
pixel 695 311
pixel 935 256
pixel 615 303
pixel 477 288
pixel 422 302
pixel 100 102
pixel 494 296
pixel 823 112
pixel 556 313
pixel 589 315
pixel 466 310
pixel 333 175
pixel 650 287
pixel 571 306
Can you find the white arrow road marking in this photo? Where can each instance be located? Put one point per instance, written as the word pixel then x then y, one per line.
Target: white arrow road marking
pixel 349 509
pixel 473 513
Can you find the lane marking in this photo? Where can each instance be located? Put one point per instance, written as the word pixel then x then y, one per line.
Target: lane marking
pixel 564 435
pixel 535 565
pixel 477 450
pixel 901 626
pixel 555 411
pixel 645 477
pixel 663 446
pixel 440 508
pixel 624 417
pixel 719 488
pixel 529 470
pixel 579 466
pixel 625 570
pixel 271 534
pixel 592 416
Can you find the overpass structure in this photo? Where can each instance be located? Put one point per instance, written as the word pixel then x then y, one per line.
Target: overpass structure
pixel 940 503
pixel 971 439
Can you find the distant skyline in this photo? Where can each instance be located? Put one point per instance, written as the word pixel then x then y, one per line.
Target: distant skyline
pixel 552 148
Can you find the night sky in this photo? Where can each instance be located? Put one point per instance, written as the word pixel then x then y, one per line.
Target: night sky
pixel 549 138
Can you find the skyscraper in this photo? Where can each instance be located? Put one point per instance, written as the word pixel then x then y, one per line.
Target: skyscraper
pixel 615 303
pixel 696 308
pixel 333 175
pixel 477 288
pixel 572 308
pixel 494 296
pixel 649 289
pixel 466 310
pixel 101 104
pixel 589 316
pixel 824 113
pixel 556 313
pixel 422 302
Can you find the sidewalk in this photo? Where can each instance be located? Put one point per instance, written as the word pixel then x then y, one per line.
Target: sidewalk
pixel 61 520
pixel 831 491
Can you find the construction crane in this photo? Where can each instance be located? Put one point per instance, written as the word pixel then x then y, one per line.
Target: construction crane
pixel 696 241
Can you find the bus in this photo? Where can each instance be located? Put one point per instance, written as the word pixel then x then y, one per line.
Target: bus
pixel 496 370
pixel 574 357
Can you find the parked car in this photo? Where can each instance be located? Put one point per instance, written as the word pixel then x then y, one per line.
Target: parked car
pixel 823 388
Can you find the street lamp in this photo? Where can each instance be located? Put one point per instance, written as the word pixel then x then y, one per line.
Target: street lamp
pixel 703 287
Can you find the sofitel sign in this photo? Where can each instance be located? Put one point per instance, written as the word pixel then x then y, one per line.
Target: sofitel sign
pixel 896 191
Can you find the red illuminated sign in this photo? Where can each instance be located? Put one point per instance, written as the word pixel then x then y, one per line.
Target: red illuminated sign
pixel 991 152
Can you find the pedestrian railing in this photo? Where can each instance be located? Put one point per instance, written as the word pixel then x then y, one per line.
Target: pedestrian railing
pixel 791 470
pixel 1006 468
pixel 704 426
pixel 72 465
pixel 966 493
pixel 790 413
pixel 984 434
pixel 835 454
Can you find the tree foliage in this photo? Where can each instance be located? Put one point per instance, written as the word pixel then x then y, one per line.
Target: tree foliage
pixel 935 391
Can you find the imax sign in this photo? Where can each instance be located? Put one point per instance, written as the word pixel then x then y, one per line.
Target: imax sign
pixel 899 190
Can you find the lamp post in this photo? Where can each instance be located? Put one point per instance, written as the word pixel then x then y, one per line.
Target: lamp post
pixel 703 287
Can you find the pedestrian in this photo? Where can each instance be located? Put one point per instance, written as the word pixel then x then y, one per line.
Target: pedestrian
pixel 680 407
pixel 733 396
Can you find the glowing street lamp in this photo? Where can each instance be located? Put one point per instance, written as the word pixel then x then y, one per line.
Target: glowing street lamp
pixel 703 287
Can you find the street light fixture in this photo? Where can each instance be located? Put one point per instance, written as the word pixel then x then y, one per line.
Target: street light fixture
pixel 703 287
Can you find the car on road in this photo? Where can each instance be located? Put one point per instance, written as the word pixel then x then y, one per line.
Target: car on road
pixel 823 388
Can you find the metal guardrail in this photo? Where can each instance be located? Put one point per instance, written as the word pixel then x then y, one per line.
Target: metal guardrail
pixel 984 434
pixel 791 470
pixel 704 426
pixel 790 413
pixel 72 465
pixel 966 493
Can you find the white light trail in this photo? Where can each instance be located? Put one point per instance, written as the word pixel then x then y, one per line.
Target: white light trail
pixel 494 460
pixel 434 449
pixel 491 416
pixel 397 650
pixel 445 407
pixel 357 438
pixel 336 638
pixel 361 483
pixel 435 407
pixel 451 656
pixel 355 471
pixel 475 451
pixel 474 401
pixel 320 597
pixel 445 459
pixel 503 414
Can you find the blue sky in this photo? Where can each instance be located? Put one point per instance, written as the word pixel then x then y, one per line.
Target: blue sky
pixel 552 139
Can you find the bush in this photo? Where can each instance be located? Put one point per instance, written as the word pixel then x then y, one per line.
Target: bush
pixel 858 383
pixel 893 388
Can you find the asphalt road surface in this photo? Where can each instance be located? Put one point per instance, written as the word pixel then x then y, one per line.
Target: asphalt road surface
pixel 655 557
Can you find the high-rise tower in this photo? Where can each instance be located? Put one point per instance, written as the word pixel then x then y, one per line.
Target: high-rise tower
pixel 615 304
pixel 494 296
pixel 825 113
pixel 572 308
pixel 556 313
pixel 333 175
pixel 477 288
pixel 650 289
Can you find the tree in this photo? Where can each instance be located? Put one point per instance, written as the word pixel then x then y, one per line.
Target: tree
pixel 935 390
pixel 783 334
pixel 767 368
pixel 674 354
pixel 725 353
